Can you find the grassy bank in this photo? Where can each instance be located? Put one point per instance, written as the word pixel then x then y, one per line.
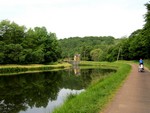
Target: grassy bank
pixel 33 67
pixel 147 63
pixel 94 99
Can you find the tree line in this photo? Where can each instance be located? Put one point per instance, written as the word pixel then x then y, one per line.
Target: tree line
pixel 19 45
pixel 137 45
pixel 89 47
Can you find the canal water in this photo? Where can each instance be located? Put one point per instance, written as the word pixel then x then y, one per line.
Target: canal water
pixel 41 92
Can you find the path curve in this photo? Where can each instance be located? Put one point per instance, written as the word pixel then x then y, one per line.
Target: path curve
pixel 134 95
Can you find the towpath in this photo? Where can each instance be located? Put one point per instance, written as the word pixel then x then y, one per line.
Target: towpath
pixel 134 95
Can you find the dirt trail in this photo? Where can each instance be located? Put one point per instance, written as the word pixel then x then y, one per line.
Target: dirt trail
pixel 134 95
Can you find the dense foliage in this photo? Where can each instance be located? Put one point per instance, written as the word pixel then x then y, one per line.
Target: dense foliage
pixel 137 45
pixel 21 46
pixel 89 47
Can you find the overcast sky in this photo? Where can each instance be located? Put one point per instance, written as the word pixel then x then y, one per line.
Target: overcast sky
pixel 69 18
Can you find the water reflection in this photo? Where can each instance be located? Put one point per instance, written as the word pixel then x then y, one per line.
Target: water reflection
pixel 77 70
pixel 63 93
pixel 19 92
pixel 41 92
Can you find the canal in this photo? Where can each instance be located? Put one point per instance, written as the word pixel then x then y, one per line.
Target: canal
pixel 41 92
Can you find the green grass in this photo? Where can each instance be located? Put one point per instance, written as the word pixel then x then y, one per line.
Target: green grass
pixel 96 97
pixel 33 67
pixel 147 63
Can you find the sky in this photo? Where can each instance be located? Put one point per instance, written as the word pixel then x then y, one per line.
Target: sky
pixel 71 18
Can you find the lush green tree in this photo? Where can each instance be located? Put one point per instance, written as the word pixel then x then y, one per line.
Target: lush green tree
pixel 138 44
pixel 146 31
pixel 84 45
pixel 112 54
pixel 85 53
pixel 11 32
pixel 96 54
pixel 125 53
pixel 21 46
pixel 12 53
pixel 52 48
pixel 2 56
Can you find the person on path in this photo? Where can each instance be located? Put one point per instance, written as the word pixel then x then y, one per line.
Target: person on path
pixel 141 61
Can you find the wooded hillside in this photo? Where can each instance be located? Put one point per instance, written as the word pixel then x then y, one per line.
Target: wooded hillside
pixel 90 47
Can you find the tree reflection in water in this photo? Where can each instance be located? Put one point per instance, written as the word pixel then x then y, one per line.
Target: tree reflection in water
pixel 40 92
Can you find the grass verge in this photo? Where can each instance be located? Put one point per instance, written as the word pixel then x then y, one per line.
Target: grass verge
pixel 147 63
pixel 94 99
pixel 33 67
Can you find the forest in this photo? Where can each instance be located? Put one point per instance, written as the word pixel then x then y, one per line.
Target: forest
pixel 90 48
pixel 19 45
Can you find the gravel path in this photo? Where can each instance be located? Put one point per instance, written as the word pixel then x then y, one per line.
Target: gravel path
pixel 134 95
